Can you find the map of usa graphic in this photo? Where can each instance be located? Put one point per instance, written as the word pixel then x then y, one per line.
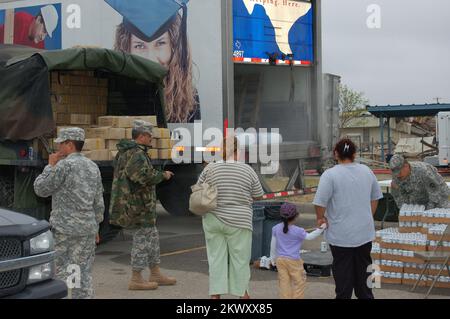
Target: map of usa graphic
pixel 263 27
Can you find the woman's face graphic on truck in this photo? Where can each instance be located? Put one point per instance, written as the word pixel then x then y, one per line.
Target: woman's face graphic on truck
pixel 159 50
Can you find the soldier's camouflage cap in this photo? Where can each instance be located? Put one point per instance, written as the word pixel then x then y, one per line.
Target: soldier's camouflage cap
pixel 396 163
pixel 70 134
pixel 143 126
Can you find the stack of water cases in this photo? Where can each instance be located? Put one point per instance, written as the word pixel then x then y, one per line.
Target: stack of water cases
pixel 419 230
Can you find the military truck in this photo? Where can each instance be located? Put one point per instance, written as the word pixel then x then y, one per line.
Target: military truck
pixel 270 77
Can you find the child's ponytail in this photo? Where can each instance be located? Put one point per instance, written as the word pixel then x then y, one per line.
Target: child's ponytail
pixel 286 226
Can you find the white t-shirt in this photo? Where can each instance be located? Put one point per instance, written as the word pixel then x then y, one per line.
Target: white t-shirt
pixel 346 191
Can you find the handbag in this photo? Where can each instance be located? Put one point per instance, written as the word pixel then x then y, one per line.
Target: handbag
pixel 203 199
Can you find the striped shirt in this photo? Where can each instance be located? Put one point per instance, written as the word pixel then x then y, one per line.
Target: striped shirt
pixel 237 184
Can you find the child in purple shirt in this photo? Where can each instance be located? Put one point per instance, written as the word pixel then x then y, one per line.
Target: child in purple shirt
pixel 287 240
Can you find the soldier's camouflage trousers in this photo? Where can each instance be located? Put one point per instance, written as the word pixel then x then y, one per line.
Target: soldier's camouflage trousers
pixel 74 262
pixel 145 250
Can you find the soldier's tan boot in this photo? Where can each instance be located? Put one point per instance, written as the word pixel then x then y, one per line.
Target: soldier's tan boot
pixel 156 276
pixel 138 283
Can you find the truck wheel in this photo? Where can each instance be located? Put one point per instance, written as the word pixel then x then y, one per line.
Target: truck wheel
pixel 6 191
pixel 174 194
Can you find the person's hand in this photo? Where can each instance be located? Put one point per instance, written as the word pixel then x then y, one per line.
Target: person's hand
pixel 54 158
pixel 322 221
pixel 323 226
pixel 168 175
pixel 97 239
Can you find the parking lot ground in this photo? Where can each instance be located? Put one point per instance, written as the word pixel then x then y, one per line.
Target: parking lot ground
pixel 183 255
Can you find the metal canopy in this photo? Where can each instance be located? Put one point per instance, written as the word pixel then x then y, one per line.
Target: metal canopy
pixel 389 111
pixel 408 110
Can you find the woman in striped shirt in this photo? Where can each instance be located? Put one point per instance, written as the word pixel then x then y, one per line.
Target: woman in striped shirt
pixel 228 228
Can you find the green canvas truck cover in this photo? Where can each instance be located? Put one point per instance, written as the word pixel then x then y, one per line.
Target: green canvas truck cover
pixel 25 99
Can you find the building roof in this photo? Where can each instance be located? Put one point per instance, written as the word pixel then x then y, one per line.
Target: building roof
pixel 408 110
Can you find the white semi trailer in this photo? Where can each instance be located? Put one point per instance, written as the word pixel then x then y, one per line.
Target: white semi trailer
pixel 231 88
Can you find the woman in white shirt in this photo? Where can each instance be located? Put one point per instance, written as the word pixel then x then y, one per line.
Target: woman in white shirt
pixel 346 199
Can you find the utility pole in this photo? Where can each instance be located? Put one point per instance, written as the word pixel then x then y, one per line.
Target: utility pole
pixel 437 99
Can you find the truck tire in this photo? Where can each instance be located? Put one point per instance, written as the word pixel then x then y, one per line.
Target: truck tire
pixel 6 191
pixel 174 194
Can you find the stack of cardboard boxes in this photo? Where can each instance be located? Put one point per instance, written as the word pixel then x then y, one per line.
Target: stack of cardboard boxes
pixel 420 230
pixel 80 99
pixel 101 141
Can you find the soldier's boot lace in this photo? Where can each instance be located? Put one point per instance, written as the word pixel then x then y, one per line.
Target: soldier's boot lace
pixel 162 280
pixel 137 282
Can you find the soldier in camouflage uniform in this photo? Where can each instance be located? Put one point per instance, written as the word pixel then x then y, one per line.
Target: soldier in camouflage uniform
pixel 417 183
pixel 133 205
pixel 75 184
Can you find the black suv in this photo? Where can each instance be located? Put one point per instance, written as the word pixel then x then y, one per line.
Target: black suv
pixel 27 265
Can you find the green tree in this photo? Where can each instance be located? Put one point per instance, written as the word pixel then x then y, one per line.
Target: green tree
pixel 351 104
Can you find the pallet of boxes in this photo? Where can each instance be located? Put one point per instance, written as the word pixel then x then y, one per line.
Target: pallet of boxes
pixel 419 230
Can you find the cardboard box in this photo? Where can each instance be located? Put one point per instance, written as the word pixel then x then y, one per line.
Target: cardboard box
pixel 92 144
pixel 62 99
pixel 375 256
pixel 60 108
pixel 154 143
pixel 106 133
pixel 62 118
pixel 75 108
pixel 434 220
pixel 82 119
pixel 385 280
pixel 439 248
pixel 410 229
pixel 391 269
pixel 163 133
pixel 128 133
pixel 403 246
pixel 98 155
pixel 124 121
pixel 441 284
pixel 148 118
pixel 411 282
pixel 165 154
pixel 153 154
pixel 106 120
pixel 409 218
pixel 112 144
pixel 165 143
pixel 59 89
pixel 438 237
pixel 401 258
